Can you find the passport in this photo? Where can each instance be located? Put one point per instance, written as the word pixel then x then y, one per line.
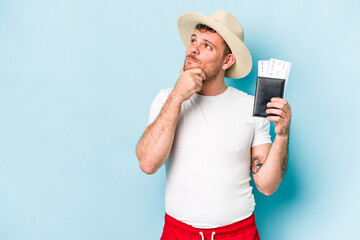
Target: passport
pixel 266 88
pixel 271 82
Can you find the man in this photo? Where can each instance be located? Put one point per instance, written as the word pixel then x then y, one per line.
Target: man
pixel 206 134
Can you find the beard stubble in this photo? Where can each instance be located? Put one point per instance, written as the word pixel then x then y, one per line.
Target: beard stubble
pixel 210 75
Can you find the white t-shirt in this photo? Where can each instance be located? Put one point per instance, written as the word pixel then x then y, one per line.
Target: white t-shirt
pixel 208 170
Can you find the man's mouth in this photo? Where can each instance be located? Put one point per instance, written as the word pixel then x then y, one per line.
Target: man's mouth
pixel 191 59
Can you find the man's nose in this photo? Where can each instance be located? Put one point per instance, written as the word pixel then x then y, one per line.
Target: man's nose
pixel 193 49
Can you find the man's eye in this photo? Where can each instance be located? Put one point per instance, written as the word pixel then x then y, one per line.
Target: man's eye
pixel 192 41
pixel 208 46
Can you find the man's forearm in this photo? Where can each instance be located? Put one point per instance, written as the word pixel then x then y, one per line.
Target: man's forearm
pixel 155 145
pixel 273 170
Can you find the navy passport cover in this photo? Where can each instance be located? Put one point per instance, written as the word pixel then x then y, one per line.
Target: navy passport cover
pixel 266 88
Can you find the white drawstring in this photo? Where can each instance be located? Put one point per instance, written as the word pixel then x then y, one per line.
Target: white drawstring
pixel 212 236
pixel 203 238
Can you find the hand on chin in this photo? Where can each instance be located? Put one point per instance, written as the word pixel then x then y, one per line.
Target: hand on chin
pixel 191 65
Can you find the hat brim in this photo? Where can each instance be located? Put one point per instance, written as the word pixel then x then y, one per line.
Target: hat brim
pixel 243 63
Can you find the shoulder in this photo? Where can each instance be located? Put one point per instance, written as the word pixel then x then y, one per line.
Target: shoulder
pixel 244 103
pixel 241 98
pixel 158 103
pixel 163 94
pixel 240 94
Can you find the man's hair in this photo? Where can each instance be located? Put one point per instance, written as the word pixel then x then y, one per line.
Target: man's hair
pixel 201 26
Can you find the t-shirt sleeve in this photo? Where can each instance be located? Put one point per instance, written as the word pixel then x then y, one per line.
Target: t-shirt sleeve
pixel 158 104
pixel 262 132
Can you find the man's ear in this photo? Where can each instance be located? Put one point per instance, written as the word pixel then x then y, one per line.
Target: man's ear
pixel 229 60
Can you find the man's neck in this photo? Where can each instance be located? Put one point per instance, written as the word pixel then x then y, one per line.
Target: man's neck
pixel 213 87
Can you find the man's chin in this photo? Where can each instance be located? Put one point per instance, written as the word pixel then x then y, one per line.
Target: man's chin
pixel 188 66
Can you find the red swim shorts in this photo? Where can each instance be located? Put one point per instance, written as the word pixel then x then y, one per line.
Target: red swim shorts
pixel 243 230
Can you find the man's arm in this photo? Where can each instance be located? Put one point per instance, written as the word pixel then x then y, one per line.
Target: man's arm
pixel 269 162
pixel 155 145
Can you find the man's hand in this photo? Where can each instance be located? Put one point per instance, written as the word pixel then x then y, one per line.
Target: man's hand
pixel 281 108
pixel 155 145
pixel 189 82
pixel 273 158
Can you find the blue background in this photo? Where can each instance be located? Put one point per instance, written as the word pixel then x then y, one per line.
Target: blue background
pixel 76 82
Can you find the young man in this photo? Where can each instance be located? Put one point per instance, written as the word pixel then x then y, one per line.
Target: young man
pixel 206 134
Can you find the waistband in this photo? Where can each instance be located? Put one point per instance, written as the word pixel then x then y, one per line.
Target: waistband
pixel 233 228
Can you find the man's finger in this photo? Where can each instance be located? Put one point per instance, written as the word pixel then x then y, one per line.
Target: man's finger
pixel 198 71
pixel 275 119
pixel 281 100
pixel 275 111
pixel 278 105
pixel 198 77
pixel 202 74
pixel 199 82
pixel 182 69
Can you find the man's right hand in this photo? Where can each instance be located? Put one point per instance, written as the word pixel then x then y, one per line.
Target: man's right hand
pixel 155 145
pixel 189 82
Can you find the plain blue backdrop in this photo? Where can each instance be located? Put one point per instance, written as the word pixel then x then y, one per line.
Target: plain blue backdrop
pixel 76 82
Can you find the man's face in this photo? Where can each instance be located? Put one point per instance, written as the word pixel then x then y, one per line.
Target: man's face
pixel 205 51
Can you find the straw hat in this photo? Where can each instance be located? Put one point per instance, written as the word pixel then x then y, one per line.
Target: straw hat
pixel 229 29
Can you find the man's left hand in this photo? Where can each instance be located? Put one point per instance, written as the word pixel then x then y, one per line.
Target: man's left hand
pixel 281 108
